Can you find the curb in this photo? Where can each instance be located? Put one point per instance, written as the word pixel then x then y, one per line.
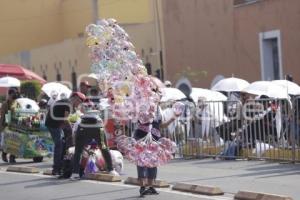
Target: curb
pixel 47 172
pixel 96 176
pixel 198 189
pixel 157 183
pixel 29 170
pixel 246 195
pixel 103 177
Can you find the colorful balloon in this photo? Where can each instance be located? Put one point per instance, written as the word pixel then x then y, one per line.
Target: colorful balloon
pixel 178 108
pixel 147 152
pixel 124 79
pixel 92 41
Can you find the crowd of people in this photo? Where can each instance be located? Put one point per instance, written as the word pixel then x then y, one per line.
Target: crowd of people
pixel 247 121
pixel 89 129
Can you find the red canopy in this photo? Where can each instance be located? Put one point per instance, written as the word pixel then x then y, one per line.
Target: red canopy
pixel 19 72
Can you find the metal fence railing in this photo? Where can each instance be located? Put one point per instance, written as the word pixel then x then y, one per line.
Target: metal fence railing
pixel 255 129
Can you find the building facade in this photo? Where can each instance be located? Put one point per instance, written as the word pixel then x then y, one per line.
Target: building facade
pixel 202 40
pixel 251 39
pixel 48 36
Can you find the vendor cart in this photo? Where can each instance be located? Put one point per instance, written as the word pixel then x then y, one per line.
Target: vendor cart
pixel 26 135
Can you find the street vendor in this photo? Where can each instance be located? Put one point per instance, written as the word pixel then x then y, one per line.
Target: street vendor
pixel 146 175
pixel 13 94
pixel 56 122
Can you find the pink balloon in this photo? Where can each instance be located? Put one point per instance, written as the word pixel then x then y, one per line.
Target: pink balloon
pixel 145 118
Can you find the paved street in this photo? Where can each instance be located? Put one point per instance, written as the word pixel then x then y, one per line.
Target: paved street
pixel 35 187
pixel 230 176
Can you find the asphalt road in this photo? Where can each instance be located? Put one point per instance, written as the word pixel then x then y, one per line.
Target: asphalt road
pixel 230 176
pixel 15 186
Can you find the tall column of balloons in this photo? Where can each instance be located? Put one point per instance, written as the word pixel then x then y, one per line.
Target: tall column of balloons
pixel 131 92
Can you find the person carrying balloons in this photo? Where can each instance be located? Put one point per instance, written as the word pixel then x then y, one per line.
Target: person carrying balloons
pixel 132 96
pixel 147 175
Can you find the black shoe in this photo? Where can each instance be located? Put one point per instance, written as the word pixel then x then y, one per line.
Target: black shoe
pixel 55 173
pixel 152 191
pixel 4 157
pixel 12 159
pixel 81 172
pixel 63 177
pixel 143 191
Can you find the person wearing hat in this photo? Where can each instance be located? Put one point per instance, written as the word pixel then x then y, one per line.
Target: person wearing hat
pixel 84 87
pixel 56 120
pixel 13 94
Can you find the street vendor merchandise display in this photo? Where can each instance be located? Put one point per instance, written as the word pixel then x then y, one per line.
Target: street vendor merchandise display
pixel 120 72
pixel 147 152
pixel 132 94
pixel 26 136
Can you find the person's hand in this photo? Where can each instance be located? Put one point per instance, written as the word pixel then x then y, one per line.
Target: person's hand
pixel 177 115
pixel 174 117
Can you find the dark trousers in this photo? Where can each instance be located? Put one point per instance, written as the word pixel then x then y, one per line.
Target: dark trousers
pixel 57 135
pixel 146 172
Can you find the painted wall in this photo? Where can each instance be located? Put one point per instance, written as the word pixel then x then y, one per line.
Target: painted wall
pixel 198 38
pixel 63 40
pixel 78 13
pixel 204 38
pixel 28 24
pixel 72 51
pixel 265 16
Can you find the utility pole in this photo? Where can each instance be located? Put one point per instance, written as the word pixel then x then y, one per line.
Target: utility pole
pixel 95 11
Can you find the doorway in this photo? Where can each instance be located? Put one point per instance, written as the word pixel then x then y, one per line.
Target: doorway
pixel 270 53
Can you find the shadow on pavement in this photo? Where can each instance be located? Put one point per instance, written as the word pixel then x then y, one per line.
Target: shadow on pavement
pixel 99 193
pixel 17 163
pixel 52 182
pixel 20 182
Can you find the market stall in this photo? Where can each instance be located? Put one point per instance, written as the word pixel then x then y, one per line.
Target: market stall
pixel 26 135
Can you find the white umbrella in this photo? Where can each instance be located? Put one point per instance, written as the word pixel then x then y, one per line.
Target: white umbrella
pixel 209 95
pixel 214 102
pixel 171 94
pixel 267 88
pixel 290 87
pixel 230 85
pixel 27 105
pixel 56 88
pixel 9 81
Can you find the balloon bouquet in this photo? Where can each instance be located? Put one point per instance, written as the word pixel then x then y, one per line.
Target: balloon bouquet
pixel 147 152
pixel 124 79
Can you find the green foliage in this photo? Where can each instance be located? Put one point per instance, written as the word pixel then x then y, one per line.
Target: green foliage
pixel 31 89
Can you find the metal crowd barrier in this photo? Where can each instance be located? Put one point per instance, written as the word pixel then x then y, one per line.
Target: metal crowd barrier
pixel 256 129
